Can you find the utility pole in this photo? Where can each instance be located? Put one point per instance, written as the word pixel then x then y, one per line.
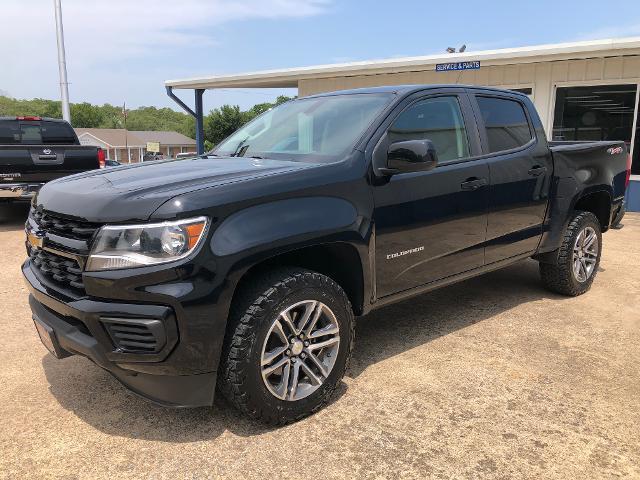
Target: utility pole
pixel 62 63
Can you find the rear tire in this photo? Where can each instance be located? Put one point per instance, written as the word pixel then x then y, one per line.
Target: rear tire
pixel 578 258
pixel 301 323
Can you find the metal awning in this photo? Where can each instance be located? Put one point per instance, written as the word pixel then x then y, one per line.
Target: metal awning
pixel 290 77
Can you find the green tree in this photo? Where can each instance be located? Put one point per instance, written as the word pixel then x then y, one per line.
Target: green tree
pixel 85 115
pixel 222 122
pixel 219 124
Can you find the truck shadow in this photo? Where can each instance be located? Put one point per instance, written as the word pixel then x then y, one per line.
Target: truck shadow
pixel 13 216
pixel 98 399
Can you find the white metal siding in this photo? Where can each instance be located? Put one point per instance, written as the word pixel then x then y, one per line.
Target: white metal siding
pixel 542 77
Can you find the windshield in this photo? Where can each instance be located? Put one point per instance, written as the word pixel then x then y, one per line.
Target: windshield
pixel 318 129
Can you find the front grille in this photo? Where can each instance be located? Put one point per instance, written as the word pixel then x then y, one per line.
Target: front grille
pixel 66 246
pixel 61 270
pixel 63 227
pixel 136 335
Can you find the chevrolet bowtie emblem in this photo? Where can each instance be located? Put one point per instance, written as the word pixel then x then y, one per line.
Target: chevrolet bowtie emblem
pixel 35 239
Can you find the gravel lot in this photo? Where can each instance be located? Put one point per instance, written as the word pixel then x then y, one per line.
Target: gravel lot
pixel 490 378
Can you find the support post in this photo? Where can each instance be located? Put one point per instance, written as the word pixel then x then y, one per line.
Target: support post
pixel 199 122
pixel 198 115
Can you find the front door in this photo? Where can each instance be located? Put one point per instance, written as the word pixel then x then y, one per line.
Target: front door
pixel 431 225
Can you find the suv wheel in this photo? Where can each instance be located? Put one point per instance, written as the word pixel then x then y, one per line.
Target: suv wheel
pixel 288 345
pixel 578 258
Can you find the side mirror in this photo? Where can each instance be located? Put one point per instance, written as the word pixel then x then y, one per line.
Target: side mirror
pixel 411 156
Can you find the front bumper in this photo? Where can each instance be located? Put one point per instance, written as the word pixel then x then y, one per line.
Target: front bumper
pixel 19 190
pixel 79 328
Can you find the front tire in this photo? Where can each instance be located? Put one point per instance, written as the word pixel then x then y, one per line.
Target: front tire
pixel 288 345
pixel 578 257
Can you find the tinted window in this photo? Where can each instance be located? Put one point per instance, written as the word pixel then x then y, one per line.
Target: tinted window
pixel 9 132
pixel 30 134
pixel 57 133
pixel 437 119
pixel 506 123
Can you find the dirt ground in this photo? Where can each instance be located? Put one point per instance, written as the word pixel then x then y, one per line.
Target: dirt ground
pixel 490 378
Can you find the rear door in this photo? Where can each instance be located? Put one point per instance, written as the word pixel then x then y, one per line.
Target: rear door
pixel 520 170
pixel 431 225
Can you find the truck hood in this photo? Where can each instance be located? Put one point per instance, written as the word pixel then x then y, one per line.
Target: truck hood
pixel 134 192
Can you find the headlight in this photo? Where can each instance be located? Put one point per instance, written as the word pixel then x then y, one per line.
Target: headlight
pixel 128 246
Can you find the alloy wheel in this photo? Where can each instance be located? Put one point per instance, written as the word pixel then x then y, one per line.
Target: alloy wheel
pixel 585 254
pixel 300 350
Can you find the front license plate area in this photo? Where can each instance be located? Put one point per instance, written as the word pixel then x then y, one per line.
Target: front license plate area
pixel 49 340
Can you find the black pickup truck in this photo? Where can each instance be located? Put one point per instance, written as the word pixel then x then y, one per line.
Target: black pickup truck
pixel 35 150
pixel 243 269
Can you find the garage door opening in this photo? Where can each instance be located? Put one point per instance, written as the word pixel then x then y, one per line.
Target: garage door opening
pixel 599 112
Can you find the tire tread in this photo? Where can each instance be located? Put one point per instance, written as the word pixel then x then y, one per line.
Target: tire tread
pixel 256 298
pixel 558 276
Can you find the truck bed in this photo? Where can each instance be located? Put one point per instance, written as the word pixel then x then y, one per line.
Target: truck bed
pixel 592 163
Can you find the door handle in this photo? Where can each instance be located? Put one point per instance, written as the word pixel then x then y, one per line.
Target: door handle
pixel 473 183
pixel 537 170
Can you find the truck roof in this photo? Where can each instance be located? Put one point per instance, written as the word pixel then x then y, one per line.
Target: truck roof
pixel 408 89
pixel 20 117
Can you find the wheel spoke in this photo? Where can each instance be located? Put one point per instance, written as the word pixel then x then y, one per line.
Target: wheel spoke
pixel 284 383
pixel 269 357
pixel 269 370
pixel 277 327
pixel 310 308
pixel 286 317
pixel 319 364
pixel 312 376
pixel 583 271
pixel 590 257
pixel 314 320
pixel 317 346
pixel 328 330
pixel 293 384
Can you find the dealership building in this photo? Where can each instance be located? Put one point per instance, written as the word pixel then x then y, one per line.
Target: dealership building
pixel 130 146
pixel 583 90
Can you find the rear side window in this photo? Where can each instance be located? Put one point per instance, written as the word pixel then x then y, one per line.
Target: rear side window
pixel 437 119
pixel 505 122
pixel 57 133
pixel 9 132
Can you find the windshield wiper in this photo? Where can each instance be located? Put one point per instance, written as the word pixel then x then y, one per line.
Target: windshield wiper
pixel 239 148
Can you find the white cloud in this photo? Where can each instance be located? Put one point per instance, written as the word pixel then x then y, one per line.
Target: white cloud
pixel 107 34
pixel 617 31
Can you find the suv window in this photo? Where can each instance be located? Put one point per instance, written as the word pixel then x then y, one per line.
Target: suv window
pixel 505 122
pixel 438 119
pixel 9 132
pixel 57 133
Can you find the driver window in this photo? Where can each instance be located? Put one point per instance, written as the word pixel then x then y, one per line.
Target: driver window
pixel 438 119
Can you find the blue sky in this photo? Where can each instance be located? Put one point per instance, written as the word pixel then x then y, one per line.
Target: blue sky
pixel 123 50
